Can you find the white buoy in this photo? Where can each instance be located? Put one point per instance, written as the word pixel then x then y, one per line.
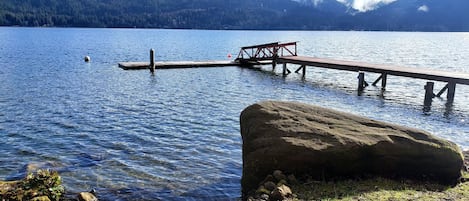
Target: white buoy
pixel 87 59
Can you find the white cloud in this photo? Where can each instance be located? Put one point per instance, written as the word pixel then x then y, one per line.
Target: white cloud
pixel 317 2
pixel 346 2
pixel 365 5
pixel 423 8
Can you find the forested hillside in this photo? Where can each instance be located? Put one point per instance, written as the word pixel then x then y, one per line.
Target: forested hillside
pixel 402 15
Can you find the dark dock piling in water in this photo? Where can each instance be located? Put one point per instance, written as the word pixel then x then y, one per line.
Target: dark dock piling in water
pixel 152 61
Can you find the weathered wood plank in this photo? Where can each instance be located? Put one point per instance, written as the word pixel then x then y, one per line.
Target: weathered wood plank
pixel 413 72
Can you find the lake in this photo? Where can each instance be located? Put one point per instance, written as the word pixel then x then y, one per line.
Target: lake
pixel 175 135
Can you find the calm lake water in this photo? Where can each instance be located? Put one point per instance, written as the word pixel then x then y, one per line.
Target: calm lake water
pixel 175 135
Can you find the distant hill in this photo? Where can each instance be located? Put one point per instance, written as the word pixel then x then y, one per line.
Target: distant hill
pixel 400 15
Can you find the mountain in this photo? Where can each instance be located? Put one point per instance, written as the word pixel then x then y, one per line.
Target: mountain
pixel 418 15
pixel 393 15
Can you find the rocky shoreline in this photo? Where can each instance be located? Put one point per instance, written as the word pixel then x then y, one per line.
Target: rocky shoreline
pixel 45 185
pixel 42 185
pixel 39 185
pixel 279 187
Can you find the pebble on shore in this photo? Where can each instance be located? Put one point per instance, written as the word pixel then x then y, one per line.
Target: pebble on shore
pixel 274 188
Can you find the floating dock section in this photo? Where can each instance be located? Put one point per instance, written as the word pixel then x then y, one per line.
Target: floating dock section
pixel 176 64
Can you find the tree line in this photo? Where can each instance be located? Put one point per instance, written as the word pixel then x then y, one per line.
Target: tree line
pixel 214 14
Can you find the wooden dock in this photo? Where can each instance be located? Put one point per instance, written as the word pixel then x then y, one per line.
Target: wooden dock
pixel 176 64
pixel 413 72
pixel 286 53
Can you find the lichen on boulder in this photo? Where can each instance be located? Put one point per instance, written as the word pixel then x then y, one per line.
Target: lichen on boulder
pixel 323 143
pixel 41 185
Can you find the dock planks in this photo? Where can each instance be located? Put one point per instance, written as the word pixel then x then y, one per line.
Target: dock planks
pixel 176 64
pixel 413 72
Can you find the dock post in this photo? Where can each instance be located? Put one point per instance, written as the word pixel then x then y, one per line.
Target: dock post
pixel 152 61
pixel 384 79
pixel 304 70
pixel 361 81
pixel 284 72
pixel 451 91
pixel 302 67
pixel 274 60
pixel 428 94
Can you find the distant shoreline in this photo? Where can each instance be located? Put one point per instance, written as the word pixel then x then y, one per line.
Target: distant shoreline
pixel 196 29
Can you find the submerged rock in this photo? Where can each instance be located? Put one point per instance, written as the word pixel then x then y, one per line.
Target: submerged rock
pixel 322 143
pixel 86 196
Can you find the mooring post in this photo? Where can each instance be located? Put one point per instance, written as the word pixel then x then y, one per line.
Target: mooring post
pixel 428 94
pixel 152 61
pixel 451 91
pixel 361 81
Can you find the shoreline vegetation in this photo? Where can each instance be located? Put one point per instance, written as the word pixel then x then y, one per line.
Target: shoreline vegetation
pixel 45 185
pixel 439 16
pixel 41 185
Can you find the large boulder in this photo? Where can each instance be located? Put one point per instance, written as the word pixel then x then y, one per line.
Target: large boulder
pixel 326 144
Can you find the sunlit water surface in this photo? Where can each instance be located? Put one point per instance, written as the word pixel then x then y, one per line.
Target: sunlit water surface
pixel 175 135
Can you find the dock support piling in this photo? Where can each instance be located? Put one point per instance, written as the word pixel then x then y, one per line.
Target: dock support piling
pixel 152 61
pixel 304 71
pixel 361 81
pixel 383 79
pixel 303 68
pixel 284 72
pixel 428 94
pixel 451 91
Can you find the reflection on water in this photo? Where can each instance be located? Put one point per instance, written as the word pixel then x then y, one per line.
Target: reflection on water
pixel 175 135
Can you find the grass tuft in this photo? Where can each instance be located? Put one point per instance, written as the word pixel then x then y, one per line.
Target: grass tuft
pixel 381 189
